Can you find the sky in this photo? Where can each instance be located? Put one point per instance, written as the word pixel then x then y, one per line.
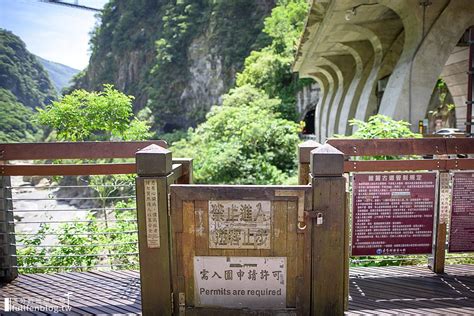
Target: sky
pixel 53 32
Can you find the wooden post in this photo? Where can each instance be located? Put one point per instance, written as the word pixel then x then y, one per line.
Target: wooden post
pixel 437 260
pixel 8 261
pixel 154 165
pixel 304 150
pixel 328 231
pixel 346 246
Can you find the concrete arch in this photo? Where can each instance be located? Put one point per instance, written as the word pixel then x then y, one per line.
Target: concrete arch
pixel 333 71
pixel 412 82
pixel 368 56
pixel 386 36
pixel 386 67
pixel 327 74
pixel 361 52
pixel 323 82
pixel 454 74
pixel 346 66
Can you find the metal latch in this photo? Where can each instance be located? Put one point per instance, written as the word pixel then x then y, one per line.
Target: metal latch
pixel 315 215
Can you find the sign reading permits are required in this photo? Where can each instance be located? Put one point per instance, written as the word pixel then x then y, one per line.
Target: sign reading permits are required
pixel 240 282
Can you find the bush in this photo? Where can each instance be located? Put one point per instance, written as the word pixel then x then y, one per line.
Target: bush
pixel 103 115
pixel 242 142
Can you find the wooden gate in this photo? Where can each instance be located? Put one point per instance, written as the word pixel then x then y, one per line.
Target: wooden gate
pixel 240 246
pixel 259 250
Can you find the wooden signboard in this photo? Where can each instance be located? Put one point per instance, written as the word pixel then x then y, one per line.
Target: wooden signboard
pixel 393 213
pixel 238 282
pixel 151 214
pixel 228 238
pixel 461 233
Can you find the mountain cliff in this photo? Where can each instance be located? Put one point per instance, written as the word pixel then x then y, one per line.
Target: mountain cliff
pixel 176 57
pixel 24 85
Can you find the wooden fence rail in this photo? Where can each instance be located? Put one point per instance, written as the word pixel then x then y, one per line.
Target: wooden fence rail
pixel 73 150
pixel 394 147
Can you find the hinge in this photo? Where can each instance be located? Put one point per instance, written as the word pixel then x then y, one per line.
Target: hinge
pixel 182 304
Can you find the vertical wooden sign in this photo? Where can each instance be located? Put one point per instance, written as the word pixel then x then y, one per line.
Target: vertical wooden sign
pixel 151 214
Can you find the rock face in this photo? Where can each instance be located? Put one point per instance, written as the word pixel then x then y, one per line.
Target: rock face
pixel 204 46
pixel 206 80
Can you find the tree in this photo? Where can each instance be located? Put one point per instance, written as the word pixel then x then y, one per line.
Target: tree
pixel 103 115
pixel 269 69
pixel 243 141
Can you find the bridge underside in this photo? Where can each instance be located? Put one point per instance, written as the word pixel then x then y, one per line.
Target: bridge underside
pixel 383 56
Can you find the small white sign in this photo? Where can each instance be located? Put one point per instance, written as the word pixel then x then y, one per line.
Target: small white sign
pixel 240 282
pixel 151 214
pixel 240 224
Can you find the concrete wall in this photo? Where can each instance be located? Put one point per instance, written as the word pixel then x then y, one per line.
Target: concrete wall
pixel 348 54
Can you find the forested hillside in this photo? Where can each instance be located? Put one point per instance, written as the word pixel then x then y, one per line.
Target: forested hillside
pixel 22 74
pixel 24 85
pixel 176 57
pixel 59 74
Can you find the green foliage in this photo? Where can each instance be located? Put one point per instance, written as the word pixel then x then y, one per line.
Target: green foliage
pixel 269 69
pixel 84 243
pixel 22 74
pixel 29 255
pixel 238 30
pixel 243 141
pixel 173 137
pixel 102 115
pixel 286 24
pixel 381 126
pixel 16 120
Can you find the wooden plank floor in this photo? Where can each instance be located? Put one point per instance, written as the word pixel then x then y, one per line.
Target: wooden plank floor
pixel 91 293
pixel 374 291
pixel 411 290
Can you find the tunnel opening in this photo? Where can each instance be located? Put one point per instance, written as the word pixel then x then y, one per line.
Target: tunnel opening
pixel 309 122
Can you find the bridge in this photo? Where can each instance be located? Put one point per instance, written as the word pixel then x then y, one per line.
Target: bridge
pixel 384 57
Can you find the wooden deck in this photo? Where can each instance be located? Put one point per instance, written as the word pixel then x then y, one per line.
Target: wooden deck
pixel 374 291
pixel 411 291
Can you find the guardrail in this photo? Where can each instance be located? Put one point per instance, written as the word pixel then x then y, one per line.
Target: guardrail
pixel 435 154
pixel 99 231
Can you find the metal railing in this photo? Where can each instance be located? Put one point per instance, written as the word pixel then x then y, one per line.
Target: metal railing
pixel 52 235
pixel 68 224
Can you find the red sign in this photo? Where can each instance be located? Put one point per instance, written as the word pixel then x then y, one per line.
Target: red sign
pixel 393 213
pixel 461 233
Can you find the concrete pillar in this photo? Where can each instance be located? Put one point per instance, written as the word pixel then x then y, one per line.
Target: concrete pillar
pixel 413 79
pixel 347 66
